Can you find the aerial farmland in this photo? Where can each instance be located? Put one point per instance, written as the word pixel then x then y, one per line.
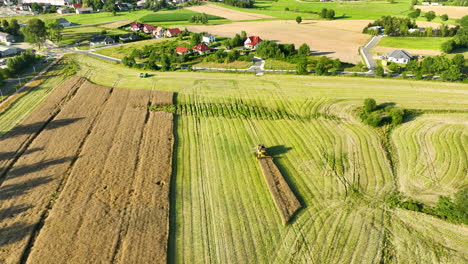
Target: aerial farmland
pixel 275 142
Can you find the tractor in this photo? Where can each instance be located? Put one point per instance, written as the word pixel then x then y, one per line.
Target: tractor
pixel 261 151
pixel 143 75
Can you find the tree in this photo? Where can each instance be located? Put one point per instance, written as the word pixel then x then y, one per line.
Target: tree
pixel 54 30
pixel 128 61
pixel 298 19
pixel 243 36
pixel 35 32
pixel 192 19
pixel 461 204
pixel 304 50
pixel 5 25
pixel 323 13
pixel 430 15
pixel 415 14
pixel 195 39
pixel 444 17
pixel 165 62
pixel 369 105
pixel 13 27
pixel 447 46
pixel 330 14
pixel 236 41
pixel 204 19
pixel 458 60
pixel 397 115
pixel 373 119
pixel 464 21
pixel 379 71
pixel 451 74
pixel 301 67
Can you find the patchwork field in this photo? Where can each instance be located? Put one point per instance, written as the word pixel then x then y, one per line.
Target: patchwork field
pixel 327 38
pixel 221 209
pixel 86 164
pixel 230 14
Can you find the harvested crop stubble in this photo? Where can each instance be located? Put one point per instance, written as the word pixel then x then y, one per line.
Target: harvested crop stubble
pixel 36 177
pixel 115 204
pixel 285 200
pixel 18 139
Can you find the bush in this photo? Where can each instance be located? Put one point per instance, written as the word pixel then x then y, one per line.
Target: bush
pixel 373 119
pixel 301 67
pixel 444 17
pixel 304 50
pixel 447 46
pixel 369 105
pixel 430 15
pixel 397 115
pixel 379 71
pixel 298 19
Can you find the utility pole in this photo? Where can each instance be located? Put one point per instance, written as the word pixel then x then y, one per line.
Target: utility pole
pixel 19 80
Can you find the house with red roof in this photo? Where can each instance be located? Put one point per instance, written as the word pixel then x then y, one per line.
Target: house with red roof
pixel 252 42
pixel 135 26
pixel 172 32
pixel 202 48
pixel 181 50
pixel 77 5
pixel 148 29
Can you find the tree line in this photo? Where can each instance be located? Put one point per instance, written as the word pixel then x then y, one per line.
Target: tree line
pixel 460 39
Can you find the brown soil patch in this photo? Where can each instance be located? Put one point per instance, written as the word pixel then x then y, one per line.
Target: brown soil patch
pixel 227 13
pixel 285 200
pixel 451 11
pixel 324 37
pixel 93 184
pixel 117 24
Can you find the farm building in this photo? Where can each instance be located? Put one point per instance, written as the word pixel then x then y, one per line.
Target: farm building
pixel 101 40
pixel 172 32
pixel 148 29
pixel 84 10
pixel 8 51
pixel 159 32
pixel 208 38
pixel 399 56
pixel 252 42
pixel 202 49
pixel 182 50
pixel 5 37
pixel 129 37
pixel 63 22
pixel 136 27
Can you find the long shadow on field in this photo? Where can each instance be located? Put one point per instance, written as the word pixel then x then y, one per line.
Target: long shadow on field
pixel 8 155
pixel 9 191
pixel 18 171
pixel 321 53
pixel 14 233
pixel 37 126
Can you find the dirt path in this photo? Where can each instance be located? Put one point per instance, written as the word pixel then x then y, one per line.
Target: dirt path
pixel 227 13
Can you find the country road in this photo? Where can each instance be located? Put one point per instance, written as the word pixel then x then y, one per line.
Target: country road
pixel 366 52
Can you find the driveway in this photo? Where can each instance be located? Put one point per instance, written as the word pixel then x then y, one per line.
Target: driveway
pixel 366 52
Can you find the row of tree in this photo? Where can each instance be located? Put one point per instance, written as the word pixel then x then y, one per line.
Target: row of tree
pixel 18 63
pixel 203 18
pixel 327 14
pixel 460 40
pixel 36 31
pixel 11 27
pixel 239 3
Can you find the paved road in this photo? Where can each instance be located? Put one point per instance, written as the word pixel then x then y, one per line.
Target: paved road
pixel 366 52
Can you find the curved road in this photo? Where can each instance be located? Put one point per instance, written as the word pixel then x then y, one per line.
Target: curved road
pixel 366 52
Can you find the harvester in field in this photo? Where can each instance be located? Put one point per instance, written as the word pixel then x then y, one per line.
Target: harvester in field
pixel 261 151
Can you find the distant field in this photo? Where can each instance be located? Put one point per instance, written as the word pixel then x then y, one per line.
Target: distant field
pixel 430 43
pixel 176 15
pixel 227 13
pixel 84 34
pixel 451 11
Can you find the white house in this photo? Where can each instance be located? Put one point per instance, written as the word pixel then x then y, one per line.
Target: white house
pixel 159 32
pixel 208 38
pixel 6 38
pixel 252 42
pixel 63 22
pixel 399 56
pixel 63 10
pixel 84 10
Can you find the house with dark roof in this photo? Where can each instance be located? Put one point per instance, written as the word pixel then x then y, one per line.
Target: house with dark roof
pixel 63 22
pixel 182 50
pixel 399 56
pixel 128 37
pixel 101 40
pixel 172 32
pixel 252 42
pixel 202 48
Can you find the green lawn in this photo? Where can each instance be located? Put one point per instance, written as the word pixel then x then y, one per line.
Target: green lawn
pixel 81 35
pixel 430 43
pixel 175 15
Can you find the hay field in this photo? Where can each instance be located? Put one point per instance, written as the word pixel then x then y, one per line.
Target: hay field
pixel 324 37
pixel 227 13
pixel 86 164
pixel 451 11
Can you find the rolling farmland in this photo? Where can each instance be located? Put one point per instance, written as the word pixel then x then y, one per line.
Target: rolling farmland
pixel 221 209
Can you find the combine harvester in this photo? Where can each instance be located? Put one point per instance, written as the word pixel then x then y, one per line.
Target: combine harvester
pixel 285 200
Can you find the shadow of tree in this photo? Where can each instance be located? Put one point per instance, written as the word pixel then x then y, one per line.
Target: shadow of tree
pixel 14 210
pixel 37 126
pixel 18 171
pixel 7 155
pixel 14 233
pixel 9 191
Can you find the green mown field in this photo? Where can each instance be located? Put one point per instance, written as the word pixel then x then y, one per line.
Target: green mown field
pixel 432 43
pixel 341 170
